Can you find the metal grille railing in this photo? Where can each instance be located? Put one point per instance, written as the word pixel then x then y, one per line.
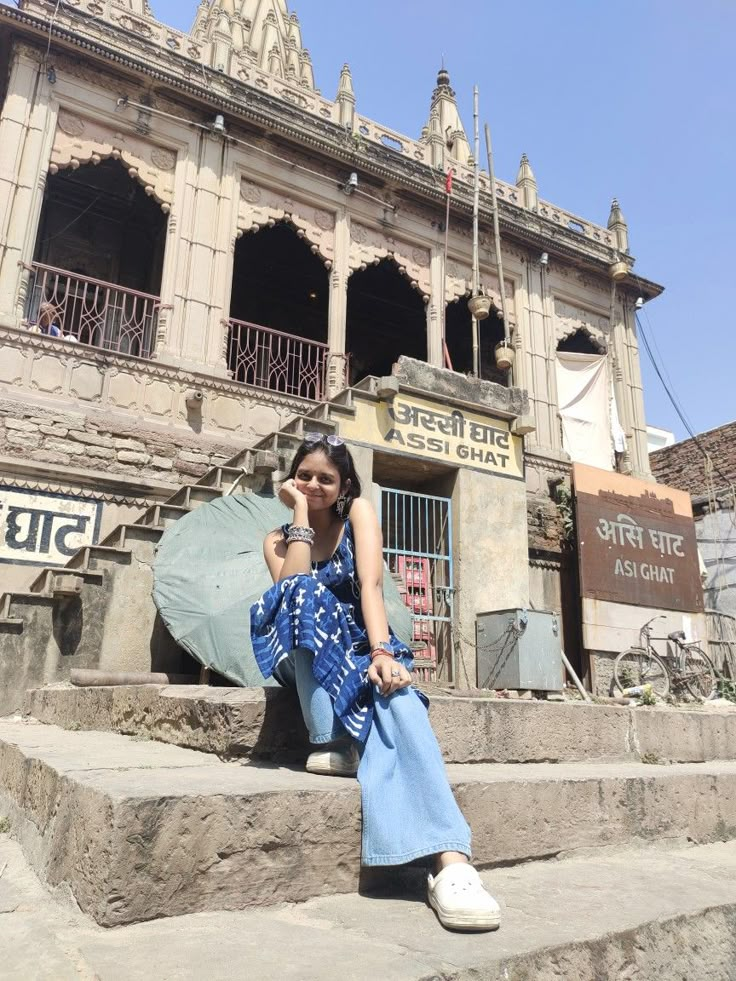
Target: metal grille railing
pixel 417 540
pixel 94 312
pixel 280 362
pixel 722 641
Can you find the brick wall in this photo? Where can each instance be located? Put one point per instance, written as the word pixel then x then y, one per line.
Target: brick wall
pixel 100 442
pixel 683 465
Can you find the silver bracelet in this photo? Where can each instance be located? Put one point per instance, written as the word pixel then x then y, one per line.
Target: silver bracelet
pixel 297 533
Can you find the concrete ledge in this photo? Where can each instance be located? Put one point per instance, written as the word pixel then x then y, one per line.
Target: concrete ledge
pixel 265 723
pixel 139 830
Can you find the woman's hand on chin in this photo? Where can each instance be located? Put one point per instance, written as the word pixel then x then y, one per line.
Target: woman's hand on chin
pixel 388 674
pixel 290 496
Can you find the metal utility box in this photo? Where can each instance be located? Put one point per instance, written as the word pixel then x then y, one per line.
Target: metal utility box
pixel 519 649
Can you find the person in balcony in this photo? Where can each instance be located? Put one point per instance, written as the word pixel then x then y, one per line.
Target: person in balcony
pixel 322 629
pixel 48 321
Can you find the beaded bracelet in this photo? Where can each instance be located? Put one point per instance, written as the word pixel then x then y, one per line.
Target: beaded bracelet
pixel 297 533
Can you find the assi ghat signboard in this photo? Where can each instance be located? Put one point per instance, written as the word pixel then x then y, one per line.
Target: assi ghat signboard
pixel 420 427
pixel 636 542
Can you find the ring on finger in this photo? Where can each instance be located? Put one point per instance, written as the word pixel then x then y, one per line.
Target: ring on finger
pixel 395 673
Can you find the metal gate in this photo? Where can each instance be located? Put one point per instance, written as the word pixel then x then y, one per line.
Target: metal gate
pixel 417 547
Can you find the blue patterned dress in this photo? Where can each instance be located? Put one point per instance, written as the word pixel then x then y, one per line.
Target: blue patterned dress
pixel 322 612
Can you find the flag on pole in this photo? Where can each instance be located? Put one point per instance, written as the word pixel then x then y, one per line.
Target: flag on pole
pixel 448 181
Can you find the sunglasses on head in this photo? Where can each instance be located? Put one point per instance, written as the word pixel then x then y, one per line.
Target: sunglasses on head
pixel 329 438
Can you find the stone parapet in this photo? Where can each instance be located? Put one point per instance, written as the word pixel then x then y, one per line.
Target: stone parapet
pixel 509 403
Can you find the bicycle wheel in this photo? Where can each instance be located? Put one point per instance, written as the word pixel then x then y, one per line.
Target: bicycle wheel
pixel 698 673
pixel 637 666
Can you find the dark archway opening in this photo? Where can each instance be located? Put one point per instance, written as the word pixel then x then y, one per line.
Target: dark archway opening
pixel 99 223
pixel 278 312
pixel 386 318
pixel 581 342
pixel 98 260
pixel 459 339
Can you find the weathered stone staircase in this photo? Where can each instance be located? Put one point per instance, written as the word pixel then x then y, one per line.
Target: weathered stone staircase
pixel 607 832
pixel 97 612
pixel 182 814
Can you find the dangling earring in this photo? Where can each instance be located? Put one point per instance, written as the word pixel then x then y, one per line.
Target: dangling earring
pixel 340 505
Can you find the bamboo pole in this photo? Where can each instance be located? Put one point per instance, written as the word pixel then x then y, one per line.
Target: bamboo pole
pixel 497 238
pixel 476 208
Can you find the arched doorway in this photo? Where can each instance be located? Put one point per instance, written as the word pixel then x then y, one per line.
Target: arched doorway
pixel 459 340
pixel 386 318
pixel 99 257
pixel 278 313
pixel 581 342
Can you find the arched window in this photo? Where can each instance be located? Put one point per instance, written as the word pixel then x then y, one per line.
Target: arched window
pixel 278 313
pixel 386 318
pixel 459 340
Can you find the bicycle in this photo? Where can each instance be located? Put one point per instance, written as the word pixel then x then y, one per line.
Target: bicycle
pixel 688 667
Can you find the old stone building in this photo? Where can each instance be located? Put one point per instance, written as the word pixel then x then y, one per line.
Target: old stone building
pixel 225 248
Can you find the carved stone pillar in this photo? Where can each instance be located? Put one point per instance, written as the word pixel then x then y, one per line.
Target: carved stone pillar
pixel 436 308
pixel 27 129
pixel 195 337
pixel 629 389
pixel 337 376
pixel 538 354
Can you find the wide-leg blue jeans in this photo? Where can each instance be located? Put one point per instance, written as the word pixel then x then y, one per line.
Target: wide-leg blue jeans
pixel 408 807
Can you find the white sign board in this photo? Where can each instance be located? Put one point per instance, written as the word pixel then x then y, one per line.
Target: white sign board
pixel 43 528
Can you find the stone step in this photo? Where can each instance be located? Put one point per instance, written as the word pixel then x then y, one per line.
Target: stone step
pixel 192 495
pixel 63 582
pixel 139 830
pixel 265 723
pixel 300 425
pixel 92 558
pixel 223 479
pixel 162 515
pixel 648 914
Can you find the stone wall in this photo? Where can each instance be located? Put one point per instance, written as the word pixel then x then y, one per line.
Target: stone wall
pixel 684 466
pixel 96 441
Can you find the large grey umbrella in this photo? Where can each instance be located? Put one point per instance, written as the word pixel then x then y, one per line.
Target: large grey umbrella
pixel 210 568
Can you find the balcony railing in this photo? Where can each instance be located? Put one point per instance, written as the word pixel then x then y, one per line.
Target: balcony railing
pixel 93 312
pixel 280 362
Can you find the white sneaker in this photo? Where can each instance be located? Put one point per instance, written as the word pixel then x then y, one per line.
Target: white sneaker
pixel 459 898
pixel 334 762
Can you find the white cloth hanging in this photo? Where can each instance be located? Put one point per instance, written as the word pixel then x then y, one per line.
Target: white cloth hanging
pixel 584 396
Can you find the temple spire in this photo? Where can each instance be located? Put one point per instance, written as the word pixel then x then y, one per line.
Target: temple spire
pixel 617 224
pixel 451 128
pixel 527 183
pixel 238 34
pixel 346 98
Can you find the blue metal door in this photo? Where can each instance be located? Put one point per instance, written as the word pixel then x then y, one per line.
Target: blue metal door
pixel 417 547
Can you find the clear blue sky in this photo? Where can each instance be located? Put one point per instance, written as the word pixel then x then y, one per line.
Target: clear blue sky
pixel 626 98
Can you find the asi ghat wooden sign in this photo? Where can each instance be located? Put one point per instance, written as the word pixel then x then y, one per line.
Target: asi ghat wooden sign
pixel 636 542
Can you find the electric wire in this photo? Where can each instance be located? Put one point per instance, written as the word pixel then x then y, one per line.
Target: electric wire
pixel 720 559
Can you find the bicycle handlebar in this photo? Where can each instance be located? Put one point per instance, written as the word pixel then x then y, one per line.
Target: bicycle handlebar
pixel 645 629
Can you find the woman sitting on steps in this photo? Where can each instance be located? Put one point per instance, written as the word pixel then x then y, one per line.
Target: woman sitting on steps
pixel 322 629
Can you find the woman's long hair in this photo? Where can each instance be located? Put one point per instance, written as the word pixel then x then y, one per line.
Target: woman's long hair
pixel 340 458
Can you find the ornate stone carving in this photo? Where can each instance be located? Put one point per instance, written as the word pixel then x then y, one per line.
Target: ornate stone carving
pixel 163 159
pixel 324 220
pixel 79 141
pixel 569 319
pixel 261 206
pixel 370 245
pixel 421 257
pixel 358 233
pixel 250 192
pixel 69 123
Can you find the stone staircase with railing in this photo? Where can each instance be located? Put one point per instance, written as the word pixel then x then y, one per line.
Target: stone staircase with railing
pixel 97 611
